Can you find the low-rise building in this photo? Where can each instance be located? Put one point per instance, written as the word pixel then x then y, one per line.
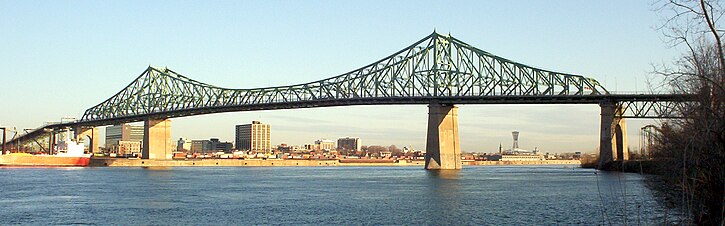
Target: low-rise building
pixel 522 158
pixel 124 148
pixel 323 144
pixel 212 145
pixel 349 144
pixel 309 147
pixel 183 145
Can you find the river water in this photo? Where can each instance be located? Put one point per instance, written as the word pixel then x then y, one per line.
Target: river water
pixel 476 195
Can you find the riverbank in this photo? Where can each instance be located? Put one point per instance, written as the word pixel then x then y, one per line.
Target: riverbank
pixel 120 162
pixel 631 166
pixel 665 191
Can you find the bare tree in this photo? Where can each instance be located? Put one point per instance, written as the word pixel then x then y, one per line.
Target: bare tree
pixel 693 149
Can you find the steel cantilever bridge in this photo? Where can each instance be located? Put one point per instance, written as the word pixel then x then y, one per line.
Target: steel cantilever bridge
pixel 438 70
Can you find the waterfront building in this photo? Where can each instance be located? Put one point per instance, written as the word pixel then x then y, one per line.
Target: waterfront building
pixel 286 148
pixel 212 145
pixel 201 146
pixel 522 158
pixel 349 144
pixel 122 132
pixel 124 148
pixel 217 145
pixel 386 154
pixel 253 137
pixel 551 156
pixel 183 145
pixel 309 147
pixel 513 157
pixel 577 155
pixel 324 144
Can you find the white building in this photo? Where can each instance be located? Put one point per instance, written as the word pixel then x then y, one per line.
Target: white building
pixel 324 144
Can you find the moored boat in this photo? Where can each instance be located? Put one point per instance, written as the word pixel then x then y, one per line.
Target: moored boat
pixel 25 159
pixel 68 153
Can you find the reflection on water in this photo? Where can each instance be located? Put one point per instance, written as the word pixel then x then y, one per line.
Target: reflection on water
pixel 325 195
pixel 444 195
pixel 444 174
pixel 165 168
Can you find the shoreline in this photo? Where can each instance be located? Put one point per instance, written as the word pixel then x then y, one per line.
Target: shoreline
pixel 120 162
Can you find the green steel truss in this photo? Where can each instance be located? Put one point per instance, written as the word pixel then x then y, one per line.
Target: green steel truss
pixel 655 107
pixel 437 68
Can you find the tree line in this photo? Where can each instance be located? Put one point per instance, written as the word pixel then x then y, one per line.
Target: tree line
pixel 690 152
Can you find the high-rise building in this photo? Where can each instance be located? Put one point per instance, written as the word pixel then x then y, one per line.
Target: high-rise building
pixel 323 144
pixel 349 144
pixel 254 137
pixel 122 132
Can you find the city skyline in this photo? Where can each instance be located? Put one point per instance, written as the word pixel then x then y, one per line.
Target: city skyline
pixel 109 45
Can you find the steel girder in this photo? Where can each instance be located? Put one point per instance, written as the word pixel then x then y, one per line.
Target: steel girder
pixel 654 108
pixel 436 67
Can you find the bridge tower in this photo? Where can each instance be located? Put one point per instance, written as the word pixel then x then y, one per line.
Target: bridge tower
pixel 612 135
pixel 156 139
pixel 443 149
pixel 51 141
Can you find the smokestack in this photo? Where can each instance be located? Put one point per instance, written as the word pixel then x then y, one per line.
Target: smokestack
pixel 516 139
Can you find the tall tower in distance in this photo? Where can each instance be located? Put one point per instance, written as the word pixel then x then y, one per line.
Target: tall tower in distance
pixel 516 139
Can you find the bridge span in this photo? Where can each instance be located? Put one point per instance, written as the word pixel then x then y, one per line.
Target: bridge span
pixel 439 71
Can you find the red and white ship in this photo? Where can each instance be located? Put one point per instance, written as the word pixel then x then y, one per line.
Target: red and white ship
pixel 68 153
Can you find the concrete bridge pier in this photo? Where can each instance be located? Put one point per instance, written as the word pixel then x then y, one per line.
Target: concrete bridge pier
pixel 612 135
pixel 81 133
pixel 156 139
pixel 443 149
pixel 51 142
pixel 4 146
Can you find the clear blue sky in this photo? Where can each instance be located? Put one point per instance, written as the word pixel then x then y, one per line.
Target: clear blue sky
pixel 58 58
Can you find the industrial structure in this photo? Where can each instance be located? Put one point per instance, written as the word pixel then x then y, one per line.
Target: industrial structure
pixel 646 140
pixel 439 71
